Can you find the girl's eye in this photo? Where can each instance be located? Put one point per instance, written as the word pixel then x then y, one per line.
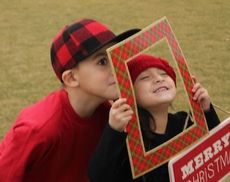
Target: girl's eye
pixel 163 73
pixel 103 61
pixel 144 77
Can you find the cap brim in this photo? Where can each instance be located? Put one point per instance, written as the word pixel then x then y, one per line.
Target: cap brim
pixel 124 35
pixel 116 39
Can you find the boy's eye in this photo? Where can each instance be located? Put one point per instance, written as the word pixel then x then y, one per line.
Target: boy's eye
pixel 103 61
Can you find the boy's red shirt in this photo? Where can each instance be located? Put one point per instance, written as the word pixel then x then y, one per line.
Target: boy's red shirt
pixel 50 142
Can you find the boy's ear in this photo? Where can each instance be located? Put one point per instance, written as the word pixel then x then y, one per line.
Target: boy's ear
pixel 70 78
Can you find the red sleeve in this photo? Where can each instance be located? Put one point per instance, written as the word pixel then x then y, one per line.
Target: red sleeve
pixel 15 153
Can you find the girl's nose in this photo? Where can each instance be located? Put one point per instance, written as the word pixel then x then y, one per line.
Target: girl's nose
pixel 158 79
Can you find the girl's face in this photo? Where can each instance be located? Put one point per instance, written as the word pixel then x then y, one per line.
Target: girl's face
pixel 153 88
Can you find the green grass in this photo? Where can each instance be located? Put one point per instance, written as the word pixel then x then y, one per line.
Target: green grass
pixel 28 27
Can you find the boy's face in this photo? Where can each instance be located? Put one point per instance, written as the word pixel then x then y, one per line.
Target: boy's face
pixel 95 76
pixel 154 87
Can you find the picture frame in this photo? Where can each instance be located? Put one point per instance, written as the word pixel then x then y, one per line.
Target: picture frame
pixel 142 161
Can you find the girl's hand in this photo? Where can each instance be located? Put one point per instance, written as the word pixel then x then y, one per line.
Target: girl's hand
pixel 120 114
pixel 200 94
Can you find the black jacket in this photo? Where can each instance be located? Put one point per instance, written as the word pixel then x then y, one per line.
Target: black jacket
pixel 110 162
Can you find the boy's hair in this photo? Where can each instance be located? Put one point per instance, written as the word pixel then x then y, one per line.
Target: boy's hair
pixel 77 41
pixel 144 61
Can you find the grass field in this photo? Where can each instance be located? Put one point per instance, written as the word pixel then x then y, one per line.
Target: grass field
pixel 28 27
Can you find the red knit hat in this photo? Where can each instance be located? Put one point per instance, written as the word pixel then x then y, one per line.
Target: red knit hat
pixel 143 62
pixel 78 41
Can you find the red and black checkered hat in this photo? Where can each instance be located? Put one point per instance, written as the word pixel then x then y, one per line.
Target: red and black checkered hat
pixel 144 61
pixel 78 41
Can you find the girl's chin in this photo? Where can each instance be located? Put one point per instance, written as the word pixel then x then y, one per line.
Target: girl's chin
pixel 164 100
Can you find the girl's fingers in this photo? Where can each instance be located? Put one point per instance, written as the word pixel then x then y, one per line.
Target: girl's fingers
pixel 201 97
pixel 119 102
pixel 123 108
pixel 126 120
pixel 126 113
pixel 196 87
pixel 198 96
pixel 197 93
pixel 120 120
pixel 194 79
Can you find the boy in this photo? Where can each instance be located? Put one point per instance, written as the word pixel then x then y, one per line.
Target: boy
pixel 53 139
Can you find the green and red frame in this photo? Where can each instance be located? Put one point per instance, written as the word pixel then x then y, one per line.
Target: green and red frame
pixel 142 161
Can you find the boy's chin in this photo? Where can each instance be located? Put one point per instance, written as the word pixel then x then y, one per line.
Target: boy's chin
pixel 110 96
pixel 115 96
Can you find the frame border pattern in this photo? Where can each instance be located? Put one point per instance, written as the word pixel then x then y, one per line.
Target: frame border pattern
pixel 141 161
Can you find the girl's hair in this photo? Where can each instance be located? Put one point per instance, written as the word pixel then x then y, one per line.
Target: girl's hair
pixel 145 118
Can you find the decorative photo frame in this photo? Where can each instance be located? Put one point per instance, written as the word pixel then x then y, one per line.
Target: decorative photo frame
pixel 141 161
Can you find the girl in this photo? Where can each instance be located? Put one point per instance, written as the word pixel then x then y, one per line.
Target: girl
pixel 154 82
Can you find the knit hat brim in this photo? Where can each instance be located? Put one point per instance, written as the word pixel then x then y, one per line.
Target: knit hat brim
pixel 143 62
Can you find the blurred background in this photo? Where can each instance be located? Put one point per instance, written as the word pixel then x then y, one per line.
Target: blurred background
pixel 27 28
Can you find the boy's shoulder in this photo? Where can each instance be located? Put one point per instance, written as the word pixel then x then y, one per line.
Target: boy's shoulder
pixel 39 114
pixel 54 112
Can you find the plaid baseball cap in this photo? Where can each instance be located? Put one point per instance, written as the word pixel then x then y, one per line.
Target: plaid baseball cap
pixel 77 41
pixel 144 61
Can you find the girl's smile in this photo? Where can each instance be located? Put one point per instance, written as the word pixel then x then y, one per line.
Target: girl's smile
pixel 160 89
pixel 154 87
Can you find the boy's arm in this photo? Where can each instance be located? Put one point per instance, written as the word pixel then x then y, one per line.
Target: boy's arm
pixel 105 162
pixel 15 153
